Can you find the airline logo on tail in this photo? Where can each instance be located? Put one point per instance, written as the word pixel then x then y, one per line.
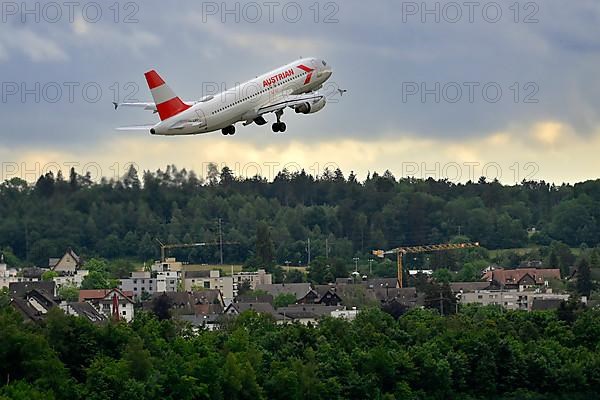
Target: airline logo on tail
pixel 167 103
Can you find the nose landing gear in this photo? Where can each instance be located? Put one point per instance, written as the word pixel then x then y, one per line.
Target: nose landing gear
pixel 279 126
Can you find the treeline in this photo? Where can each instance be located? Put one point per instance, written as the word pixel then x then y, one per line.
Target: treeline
pixel 342 216
pixel 479 353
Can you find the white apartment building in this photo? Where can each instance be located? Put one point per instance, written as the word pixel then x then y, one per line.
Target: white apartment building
pixel 509 299
pixel 141 282
pixel 212 280
pixel 71 280
pixel 259 277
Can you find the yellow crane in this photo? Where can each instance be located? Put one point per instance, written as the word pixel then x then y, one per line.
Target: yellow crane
pixel 401 251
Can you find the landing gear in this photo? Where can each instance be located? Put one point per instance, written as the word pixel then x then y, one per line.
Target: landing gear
pixel 279 126
pixel 228 130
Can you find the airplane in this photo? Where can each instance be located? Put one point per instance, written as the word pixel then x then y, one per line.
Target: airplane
pixel 296 85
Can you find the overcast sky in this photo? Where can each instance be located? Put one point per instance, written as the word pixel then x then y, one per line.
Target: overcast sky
pixel 449 89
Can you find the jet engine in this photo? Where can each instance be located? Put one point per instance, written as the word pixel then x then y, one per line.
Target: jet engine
pixel 311 107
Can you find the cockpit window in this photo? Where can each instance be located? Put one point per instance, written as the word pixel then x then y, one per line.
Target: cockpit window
pixel 324 63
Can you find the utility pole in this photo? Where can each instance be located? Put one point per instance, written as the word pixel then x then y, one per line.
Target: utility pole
pixel 441 303
pixel 308 248
pixel 370 266
pixel 355 259
pixel 327 248
pixel 220 241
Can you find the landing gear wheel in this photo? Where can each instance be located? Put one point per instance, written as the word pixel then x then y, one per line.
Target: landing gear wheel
pixel 282 127
pixel 275 127
pixel 228 130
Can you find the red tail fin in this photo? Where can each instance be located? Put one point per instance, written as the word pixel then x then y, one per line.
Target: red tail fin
pixel 167 103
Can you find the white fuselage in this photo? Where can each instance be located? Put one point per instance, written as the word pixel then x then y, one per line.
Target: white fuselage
pixel 242 102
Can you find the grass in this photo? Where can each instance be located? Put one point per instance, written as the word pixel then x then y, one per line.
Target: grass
pixel 226 268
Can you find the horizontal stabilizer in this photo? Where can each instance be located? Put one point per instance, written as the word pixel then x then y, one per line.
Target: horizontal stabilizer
pixel 136 128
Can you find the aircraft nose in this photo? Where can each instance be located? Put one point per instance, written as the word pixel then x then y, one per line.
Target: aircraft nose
pixel 326 73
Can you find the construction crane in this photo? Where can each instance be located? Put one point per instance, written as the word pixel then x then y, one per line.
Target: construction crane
pixel 401 251
pixel 164 247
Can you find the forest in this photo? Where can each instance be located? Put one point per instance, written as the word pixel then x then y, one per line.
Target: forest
pixel 342 217
pixel 478 353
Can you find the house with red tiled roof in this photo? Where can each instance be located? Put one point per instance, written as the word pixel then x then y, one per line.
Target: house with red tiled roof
pixel 520 278
pixel 113 303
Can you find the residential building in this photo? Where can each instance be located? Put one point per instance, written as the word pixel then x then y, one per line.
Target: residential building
pixel 111 303
pixel 308 314
pixel 346 314
pixel 261 308
pixel 252 297
pixel 321 294
pixel 202 309
pixel 520 278
pixel 19 289
pixel 203 302
pixel 84 310
pixel 6 282
pixel 140 282
pixel 210 280
pixel 511 299
pixel 6 272
pixel 169 264
pixel 33 299
pixel 209 322
pixel 465 287
pixel 167 281
pixel 67 264
pixel 302 313
pixel 299 290
pixel 71 279
pixel 260 277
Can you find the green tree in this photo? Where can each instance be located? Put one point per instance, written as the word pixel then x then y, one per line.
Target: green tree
pixel 284 300
pixel 49 275
pixel 264 245
pixel 584 277
pixel 68 293
pixel 96 280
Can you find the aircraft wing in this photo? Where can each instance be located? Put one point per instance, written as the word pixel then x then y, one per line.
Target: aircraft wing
pixel 290 100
